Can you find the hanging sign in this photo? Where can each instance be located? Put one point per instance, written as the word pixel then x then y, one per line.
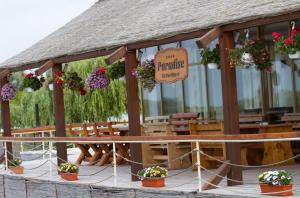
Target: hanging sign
pixel 171 65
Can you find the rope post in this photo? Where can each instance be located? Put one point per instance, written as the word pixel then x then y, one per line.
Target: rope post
pixel 22 147
pixel 50 159
pixel 43 144
pixel 115 163
pixel 5 155
pixel 199 167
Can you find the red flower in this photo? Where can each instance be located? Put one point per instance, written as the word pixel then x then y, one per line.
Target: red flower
pixel 102 70
pixel 276 36
pixel 288 41
pixel 294 32
pixel 59 81
pixel 30 75
pixel 82 91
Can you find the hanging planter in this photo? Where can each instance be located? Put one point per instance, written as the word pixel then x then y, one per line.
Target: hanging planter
pixel 72 81
pixel 8 92
pixel 153 176
pixel 15 166
pixel 288 45
pixel 116 70
pixel 253 53
pixel 68 171
pixel 276 183
pixel 145 73
pixel 32 83
pixel 210 58
pixel 98 79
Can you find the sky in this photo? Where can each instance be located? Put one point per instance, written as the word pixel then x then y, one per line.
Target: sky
pixel 24 22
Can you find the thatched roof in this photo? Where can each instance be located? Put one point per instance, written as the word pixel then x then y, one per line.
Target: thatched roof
pixel 111 23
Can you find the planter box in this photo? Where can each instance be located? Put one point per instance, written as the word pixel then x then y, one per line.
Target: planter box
pixel 285 190
pixel 17 169
pixel 153 182
pixel 69 176
pixel 295 56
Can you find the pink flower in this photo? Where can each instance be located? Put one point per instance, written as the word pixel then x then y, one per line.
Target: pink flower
pixel 288 41
pixel 276 36
pixel 294 32
pixel 30 75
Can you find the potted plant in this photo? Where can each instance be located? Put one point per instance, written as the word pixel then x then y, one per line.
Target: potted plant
pixel 288 45
pixel 8 92
pixel 153 176
pixel 276 183
pixel 210 58
pixel 97 79
pixel 145 73
pixel 68 171
pixel 116 70
pixel 32 82
pixel 71 80
pixel 252 53
pixel 15 166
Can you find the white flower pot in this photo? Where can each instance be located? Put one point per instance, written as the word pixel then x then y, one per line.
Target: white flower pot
pixel 212 66
pixel 295 56
pixel 247 58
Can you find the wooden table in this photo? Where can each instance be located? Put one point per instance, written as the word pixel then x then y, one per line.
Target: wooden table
pixel 273 151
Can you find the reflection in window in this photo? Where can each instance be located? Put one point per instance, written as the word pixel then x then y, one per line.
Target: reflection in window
pixel 151 100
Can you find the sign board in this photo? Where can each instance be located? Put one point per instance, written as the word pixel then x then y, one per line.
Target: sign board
pixel 171 65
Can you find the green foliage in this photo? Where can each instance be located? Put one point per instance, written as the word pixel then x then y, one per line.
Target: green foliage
pixel 96 105
pixel 73 81
pixel 116 70
pixel 276 178
pixel 210 56
pixel 31 81
pixel 15 162
pixel 153 172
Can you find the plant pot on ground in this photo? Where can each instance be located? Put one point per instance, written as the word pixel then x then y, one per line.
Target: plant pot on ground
pixel 210 58
pixel 153 176
pixel 15 166
pixel 68 171
pixel 276 183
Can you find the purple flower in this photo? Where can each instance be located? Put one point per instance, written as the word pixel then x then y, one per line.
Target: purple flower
pixel 8 92
pixel 97 80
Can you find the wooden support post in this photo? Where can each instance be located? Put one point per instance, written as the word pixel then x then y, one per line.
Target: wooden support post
pixel 59 113
pixel 5 113
pixel 230 107
pixel 208 37
pixel 45 67
pixel 133 111
pixel 116 55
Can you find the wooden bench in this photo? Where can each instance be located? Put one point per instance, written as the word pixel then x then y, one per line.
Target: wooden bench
pixel 293 118
pixel 251 118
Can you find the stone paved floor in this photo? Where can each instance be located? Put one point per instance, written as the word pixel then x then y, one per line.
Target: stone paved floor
pixel 186 181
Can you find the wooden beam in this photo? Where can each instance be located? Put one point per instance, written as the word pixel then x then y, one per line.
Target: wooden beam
pixel 4 73
pixel 5 115
pixel 59 113
pixel 116 55
pixel 220 173
pixel 45 67
pixel 261 21
pixel 208 37
pixel 133 111
pixel 230 106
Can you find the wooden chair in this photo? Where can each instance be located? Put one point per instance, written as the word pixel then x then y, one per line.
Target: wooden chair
pixel 158 153
pixel 217 150
pixel 292 118
pixel 251 118
pixel 179 122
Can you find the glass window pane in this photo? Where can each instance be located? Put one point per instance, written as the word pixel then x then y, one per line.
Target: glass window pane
pixel 172 96
pixel 151 100
pixel 215 94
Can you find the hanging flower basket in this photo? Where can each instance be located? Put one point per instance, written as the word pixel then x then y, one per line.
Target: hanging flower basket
pixel 145 73
pixel 15 167
pixel 72 81
pixel 276 183
pixel 98 79
pixel 8 92
pixel 253 53
pixel 32 81
pixel 288 45
pixel 116 70
pixel 210 58
pixel 153 176
pixel 68 171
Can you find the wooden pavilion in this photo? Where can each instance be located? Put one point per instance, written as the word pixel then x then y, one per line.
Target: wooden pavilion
pixel 119 29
